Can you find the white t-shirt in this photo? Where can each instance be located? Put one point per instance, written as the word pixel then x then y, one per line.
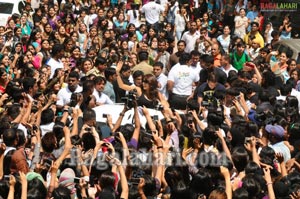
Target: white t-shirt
pixel 163 79
pixel 224 42
pixel 133 20
pixel 103 98
pixel 183 77
pixel 54 65
pixel 240 31
pixel 64 95
pixel 228 70
pixel 152 11
pixel 190 40
pixel 179 22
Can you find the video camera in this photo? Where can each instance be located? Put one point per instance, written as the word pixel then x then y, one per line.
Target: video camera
pixel 130 99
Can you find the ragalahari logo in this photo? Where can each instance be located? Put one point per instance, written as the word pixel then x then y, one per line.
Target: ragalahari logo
pixel 281 6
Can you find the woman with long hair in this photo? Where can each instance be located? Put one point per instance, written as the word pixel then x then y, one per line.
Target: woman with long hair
pixel 241 23
pixel 121 23
pixel 47 30
pixel 286 28
pixel 52 18
pixel 75 56
pixel 148 94
pixel 133 15
pixel 44 53
pixel 181 20
pixel 224 39
pixel 3 80
pixel 109 17
pixel 69 23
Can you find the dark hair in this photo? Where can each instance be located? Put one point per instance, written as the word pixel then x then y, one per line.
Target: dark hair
pixel 137 73
pixel 107 179
pixel 47 116
pixel 61 193
pixel 48 142
pixel 143 55
pixel 74 74
pixel 13 111
pixel 251 185
pixel 109 72
pixel 28 82
pixel 88 85
pixel 99 79
pixel 240 193
pixel 100 61
pixel 89 114
pixel 21 137
pixel 209 136
pixel 36 189
pixel 4 188
pixel 202 183
pixel 240 158
pixel 160 64
pixel 88 141
pixel 150 186
pixel 208 59
pixel 57 48
pixel 153 85
pixel 9 136
pixel 184 58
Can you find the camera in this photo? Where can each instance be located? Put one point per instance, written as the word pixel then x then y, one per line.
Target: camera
pixel 74 99
pixel 129 100
pixel 88 129
pixel 264 118
pixel 209 100
pixel 247 140
pixel 104 115
pixel 159 107
pixel 154 117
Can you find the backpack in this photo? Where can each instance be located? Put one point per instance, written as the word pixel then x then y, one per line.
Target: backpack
pixel 171 15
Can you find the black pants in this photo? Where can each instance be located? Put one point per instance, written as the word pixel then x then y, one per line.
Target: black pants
pixel 178 101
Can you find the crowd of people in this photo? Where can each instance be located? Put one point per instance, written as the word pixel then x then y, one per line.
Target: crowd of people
pixel 228 101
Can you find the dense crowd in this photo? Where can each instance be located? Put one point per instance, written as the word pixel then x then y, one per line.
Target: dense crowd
pixel 214 101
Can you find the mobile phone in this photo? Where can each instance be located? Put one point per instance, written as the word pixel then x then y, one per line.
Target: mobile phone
pixel 248 64
pixel 201 37
pixel 154 117
pixel 104 115
pixel 149 135
pixel 76 180
pixel 34 127
pixel 247 140
pixel 6 177
pixel 105 144
pixel 88 129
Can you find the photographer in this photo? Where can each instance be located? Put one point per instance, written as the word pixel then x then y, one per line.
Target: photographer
pixel 148 95
pixel 205 92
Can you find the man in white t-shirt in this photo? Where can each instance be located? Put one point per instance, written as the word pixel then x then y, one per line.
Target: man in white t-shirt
pixel 180 82
pixel 64 94
pixel 152 12
pixel 190 37
pixel 161 78
pixel 101 98
pixel 55 62
pixel 225 64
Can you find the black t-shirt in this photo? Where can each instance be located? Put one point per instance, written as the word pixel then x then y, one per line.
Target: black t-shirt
pixel 221 75
pixel 118 91
pixel 214 25
pixel 205 91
